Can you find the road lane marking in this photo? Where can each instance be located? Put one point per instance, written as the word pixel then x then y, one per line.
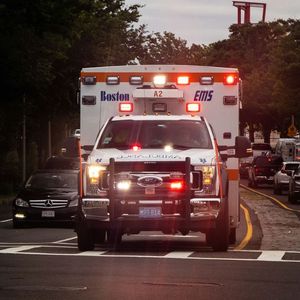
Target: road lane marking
pixel 65 240
pixel 262 255
pixel 271 198
pixel 15 250
pixel 5 221
pixel 271 256
pixel 178 254
pixel 249 232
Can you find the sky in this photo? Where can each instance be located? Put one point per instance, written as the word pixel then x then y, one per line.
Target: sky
pixel 205 21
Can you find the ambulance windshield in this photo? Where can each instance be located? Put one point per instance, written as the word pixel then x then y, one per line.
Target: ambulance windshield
pixel 183 134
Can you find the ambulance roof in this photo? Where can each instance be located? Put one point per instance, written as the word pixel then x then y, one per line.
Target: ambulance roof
pixel 160 68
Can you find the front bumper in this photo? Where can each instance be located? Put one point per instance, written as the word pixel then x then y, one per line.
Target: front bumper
pixel 34 215
pixel 202 216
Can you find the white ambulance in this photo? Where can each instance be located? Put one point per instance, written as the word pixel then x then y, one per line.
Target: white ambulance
pixel 161 151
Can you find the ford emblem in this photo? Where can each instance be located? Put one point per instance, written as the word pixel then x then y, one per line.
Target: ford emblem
pixel 153 181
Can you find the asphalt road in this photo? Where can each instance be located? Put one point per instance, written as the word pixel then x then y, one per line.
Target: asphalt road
pixel 43 262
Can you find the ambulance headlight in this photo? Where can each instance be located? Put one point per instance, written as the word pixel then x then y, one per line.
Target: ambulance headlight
pixel 94 172
pixel 208 179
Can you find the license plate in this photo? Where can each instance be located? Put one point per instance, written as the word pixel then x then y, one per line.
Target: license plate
pixel 48 213
pixel 150 212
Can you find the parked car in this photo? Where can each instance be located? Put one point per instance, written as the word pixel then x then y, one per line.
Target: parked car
pixel 262 169
pixel 48 195
pixel 294 187
pixel 282 177
pixel 258 149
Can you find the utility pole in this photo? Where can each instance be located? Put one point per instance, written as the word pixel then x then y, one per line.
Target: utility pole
pixel 24 140
pixel 49 139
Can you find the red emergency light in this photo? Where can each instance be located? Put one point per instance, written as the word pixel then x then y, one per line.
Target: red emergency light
pixel 177 185
pixel 183 80
pixel 126 107
pixel 230 79
pixel 193 107
pixel 136 147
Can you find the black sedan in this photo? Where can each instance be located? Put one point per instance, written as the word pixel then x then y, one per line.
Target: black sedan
pixel 48 195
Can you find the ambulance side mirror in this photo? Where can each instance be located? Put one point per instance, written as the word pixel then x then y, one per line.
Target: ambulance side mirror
pixel 242 147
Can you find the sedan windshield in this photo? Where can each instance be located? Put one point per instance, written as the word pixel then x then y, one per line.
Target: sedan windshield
pixel 52 181
pixel 183 134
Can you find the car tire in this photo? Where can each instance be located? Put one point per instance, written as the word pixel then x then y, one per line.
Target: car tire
pixel 220 234
pixel 85 238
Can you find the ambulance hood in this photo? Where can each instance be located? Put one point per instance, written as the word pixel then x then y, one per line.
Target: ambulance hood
pixel 198 156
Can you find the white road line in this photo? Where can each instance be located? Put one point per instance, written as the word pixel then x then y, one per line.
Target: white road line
pixel 271 256
pixel 178 254
pixel 91 253
pixel 5 221
pixel 17 249
pixel 65 240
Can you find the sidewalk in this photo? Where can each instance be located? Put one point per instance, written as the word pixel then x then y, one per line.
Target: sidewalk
pixel 280 227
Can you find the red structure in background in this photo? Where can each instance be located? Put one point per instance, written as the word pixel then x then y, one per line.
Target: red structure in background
pixel 243 6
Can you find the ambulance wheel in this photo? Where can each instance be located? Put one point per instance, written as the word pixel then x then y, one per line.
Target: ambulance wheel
pixel 220 234
pixel 85 238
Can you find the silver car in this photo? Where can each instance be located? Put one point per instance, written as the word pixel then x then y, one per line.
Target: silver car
pixel 282 177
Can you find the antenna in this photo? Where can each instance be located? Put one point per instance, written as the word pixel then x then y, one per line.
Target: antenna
pixel 243 6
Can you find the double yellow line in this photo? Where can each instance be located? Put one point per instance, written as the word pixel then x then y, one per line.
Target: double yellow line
pixel 249 232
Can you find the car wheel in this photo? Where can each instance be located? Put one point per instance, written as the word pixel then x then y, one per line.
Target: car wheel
pixel 220 235
pixel 85 238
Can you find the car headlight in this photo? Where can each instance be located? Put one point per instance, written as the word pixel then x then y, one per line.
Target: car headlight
pixel 208 179
pixel 94 173
pixel 22 203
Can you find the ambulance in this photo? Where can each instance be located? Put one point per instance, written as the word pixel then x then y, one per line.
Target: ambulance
pixel 160 151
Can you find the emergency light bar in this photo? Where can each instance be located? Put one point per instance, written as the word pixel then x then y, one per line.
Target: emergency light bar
pixel 89 80
pixel 159 80
pixel 112 80
pixel 230 79
pixel 136 80
pixel 183 80
pixel 126 107
pixel 206 80
pixel 193 107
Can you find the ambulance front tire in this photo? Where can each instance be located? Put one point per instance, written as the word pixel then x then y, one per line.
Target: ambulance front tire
pixel 220 234
pixel 85 238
